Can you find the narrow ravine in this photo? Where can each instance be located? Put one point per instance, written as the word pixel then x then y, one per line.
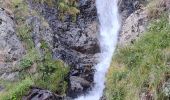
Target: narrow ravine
pixel 109 27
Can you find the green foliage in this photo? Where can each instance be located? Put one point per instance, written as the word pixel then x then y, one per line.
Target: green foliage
pixel 25 36
pixel 16 2
pixel 56 79
pixel 65 7
pixel 33 55
pixel 53 72
pixel 68 7
pixel 47 70
pixel 17 90
pixel 25 63
pixel 49 2
pixel 141 65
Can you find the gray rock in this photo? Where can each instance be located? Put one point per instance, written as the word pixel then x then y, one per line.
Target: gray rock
pixel 78 83
pixel 127 7
pixel 40 94
pixel 75 43
pixel 135 19
pixel 40 31
pixel 11 49
pixel 1 88
pixel 133 27
pixel 12 76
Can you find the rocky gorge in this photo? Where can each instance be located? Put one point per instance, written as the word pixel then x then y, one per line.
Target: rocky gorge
pixel 72 41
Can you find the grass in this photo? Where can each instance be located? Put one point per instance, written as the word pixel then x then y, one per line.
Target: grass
pixel 68 7
pixel 52 71
pixel 16 90
pixel 141 67
pixel 56 78
pixel 155 8
pixel 46 69
pixel 65 7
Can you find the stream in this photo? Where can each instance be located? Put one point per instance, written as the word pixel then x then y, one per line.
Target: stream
pixel 108 35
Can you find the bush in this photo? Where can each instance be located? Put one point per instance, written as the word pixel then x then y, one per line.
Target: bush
pixel 25 63
pixel 57 79
pixel 53 72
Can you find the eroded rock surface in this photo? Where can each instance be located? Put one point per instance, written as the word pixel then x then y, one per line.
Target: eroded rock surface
pixel 133 27
pixel 75 43
pixel 40 94
pixel 11 49
pixel 127 7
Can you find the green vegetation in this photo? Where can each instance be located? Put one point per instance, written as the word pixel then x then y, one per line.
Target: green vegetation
pixel 25 63
pixel 65 7
pixel 25 36
pixel 56 79
pixel 155 8
pixel 51 71
pixel 16 90
pixel 35 68
pixel 68 7
pixel 141 67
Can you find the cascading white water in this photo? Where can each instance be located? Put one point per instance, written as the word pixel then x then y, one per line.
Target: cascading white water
pixel 109 26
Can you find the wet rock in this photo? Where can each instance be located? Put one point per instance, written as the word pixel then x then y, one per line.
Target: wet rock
pixel 75 43
pixel 40 94
pixel 11 49
pixel 78 84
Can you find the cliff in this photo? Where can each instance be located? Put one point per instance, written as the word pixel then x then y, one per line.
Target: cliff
pixel 48 50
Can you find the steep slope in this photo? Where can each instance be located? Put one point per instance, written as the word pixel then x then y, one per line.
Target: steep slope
pixel 140 69
pixel 53 39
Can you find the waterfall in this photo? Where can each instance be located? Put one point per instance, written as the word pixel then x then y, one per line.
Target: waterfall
pixel 109 26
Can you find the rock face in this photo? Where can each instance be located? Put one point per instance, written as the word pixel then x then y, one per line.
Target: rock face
pixel 11 49
pixel 127 7
pixel 40 94
pixel 134 20
pixel 75 43
pixel 40 31
pixel 133 27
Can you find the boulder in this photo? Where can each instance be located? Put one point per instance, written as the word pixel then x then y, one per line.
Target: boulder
pixel 133 27
pixel 77 84
pixel 41 94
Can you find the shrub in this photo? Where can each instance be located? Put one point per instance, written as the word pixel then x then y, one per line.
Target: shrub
pixel 25 63
pixel 68 7
pixel 52 71
pixel 56 79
